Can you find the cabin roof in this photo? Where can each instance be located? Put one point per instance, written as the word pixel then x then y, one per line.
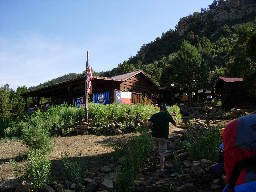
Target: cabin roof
pixel 231 79
pixel 126 76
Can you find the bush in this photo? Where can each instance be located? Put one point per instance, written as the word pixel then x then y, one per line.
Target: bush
pixel 134 153
pixel 37 138
pixel 174 110
pixel 38 170
pixel 72 169
pixel 203 142
pixel 55 121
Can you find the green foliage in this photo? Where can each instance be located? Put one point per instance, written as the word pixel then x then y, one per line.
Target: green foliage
pixel 127 116
pixel 72 169
pixel 203 142
pixel 5 103
pixel 18 172
pixel 188 67
pixel 38 170
pixel 219 103
pixel 12 106
pixel 251 46
pixel 36 137
pixel 174 110
pixel 55 120
pixel 133 153
pixel 37 127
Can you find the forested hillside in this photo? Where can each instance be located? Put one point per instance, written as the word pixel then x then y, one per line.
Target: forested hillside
pixel 218 41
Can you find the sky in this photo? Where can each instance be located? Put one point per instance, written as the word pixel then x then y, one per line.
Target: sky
pixel 41 40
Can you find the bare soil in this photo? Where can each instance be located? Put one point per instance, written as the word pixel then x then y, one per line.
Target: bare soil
pixel 95 151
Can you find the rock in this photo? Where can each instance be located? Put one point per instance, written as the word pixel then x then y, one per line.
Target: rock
pixel 68 183
pixel 197 171
pixel 87 181
pixel 74 186
pixel 23 187
pixel 183 156
pixel 48 188
pixel 106 169
pixel 188 187
pixel 107 183
pixel 204 163
pixel 9 185
pixel 57 186
pixel 187 163
pixel 118 131
pixel 91 187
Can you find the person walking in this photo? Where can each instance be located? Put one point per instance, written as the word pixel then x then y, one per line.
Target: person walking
pixel 159 123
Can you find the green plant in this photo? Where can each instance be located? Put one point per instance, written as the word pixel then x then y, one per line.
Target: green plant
pixel 130 117
pixel 72 169
pixel 133 153
pixel 38 170
pixel 55 121
pixel 35 137
pixel 18 172
pixel 174 110
pixel 172 188
pixel 219 103
pixel 203 142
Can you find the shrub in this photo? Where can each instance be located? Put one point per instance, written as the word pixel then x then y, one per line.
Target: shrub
pixel 37 138
pixel 174 110
pixel 55 121
pixel 38 170
pixel 72 169
pixel 203 142
pixel 134 153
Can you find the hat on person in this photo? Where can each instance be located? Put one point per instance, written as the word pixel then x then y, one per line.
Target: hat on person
pixel 163 108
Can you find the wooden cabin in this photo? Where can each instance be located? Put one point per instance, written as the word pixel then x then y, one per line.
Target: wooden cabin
pixel 137 85
pixel 232 92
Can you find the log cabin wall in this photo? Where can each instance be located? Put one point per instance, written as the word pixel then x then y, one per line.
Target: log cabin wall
pixel 142 88
pixel 139 84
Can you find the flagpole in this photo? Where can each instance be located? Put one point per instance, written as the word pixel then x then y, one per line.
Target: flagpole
pixel 86 87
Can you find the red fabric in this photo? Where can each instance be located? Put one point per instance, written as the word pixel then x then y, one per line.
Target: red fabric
pixel 232 153
pixel 89 79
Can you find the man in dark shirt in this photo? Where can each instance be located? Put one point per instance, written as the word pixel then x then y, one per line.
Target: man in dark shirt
pixel 160 131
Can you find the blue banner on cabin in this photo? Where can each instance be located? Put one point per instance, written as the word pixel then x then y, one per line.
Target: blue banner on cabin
pixel 101 98
pixel 78 102
pixel 118 96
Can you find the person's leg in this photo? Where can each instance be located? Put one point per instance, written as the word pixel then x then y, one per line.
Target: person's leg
pixel 162 149
pixel 155 150
pixel 162 161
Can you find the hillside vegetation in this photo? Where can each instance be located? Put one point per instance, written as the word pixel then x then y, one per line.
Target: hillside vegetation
pixel 219 41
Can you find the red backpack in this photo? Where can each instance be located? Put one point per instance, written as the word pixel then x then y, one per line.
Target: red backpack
pixel 240 154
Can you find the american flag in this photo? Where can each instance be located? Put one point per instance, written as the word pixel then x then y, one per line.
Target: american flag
pixel 89 80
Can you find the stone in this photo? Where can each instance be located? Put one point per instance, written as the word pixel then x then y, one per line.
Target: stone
pixel 91 187
pixel 188 187
pixel 107 183
pixel 48 188
pixel 57 186
pixel 187 163
pixel 197 171
pixel 106 169
pixel 9 185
